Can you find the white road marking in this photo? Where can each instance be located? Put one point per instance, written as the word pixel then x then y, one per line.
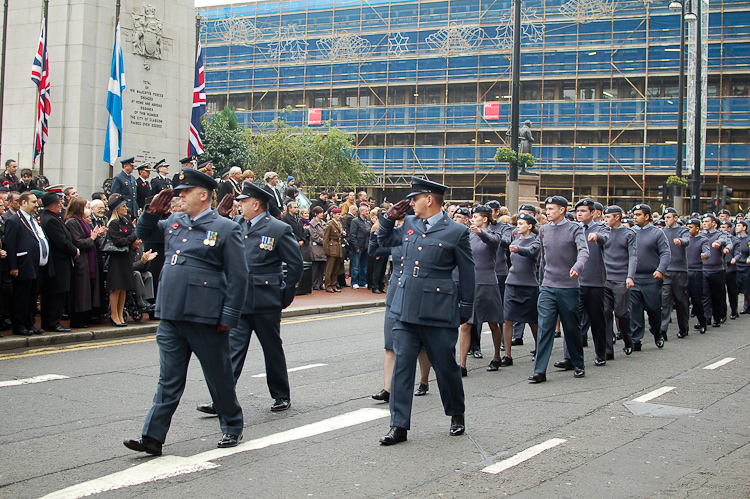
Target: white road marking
pixel 656 393
pixel 301 368
pixel 523 456
pixel 170 466
pixel 719 363
pixel 35 379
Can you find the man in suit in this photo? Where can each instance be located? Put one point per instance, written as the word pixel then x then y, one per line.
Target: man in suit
pixel 427 306
pixel 291 217
pixel 124 184
pixel 27 249
pixel 161 181
pixel 13 205
pixel 232 185
pixel 56 275
pixel 98 213
pixel 202 291
pixel 9 175
pixel 142 185
pixel 268 244
pixel 274 206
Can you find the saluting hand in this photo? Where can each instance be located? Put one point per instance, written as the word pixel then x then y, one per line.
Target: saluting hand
pixel 226 205
pixel 161 202
pixel 398 210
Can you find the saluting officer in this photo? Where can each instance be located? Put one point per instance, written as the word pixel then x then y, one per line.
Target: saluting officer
pixel 428 306
pixel 203 286
pixel 675 285
pixel 124 184
pixel 269 243
pixel 143 187
pixel 187 162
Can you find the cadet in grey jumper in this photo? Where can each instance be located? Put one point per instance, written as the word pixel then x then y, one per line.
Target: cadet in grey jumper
pixel 564 253
pixel 620 260
pixel 653 260
pixel 714 267
pixel 697 252
pixel 674 291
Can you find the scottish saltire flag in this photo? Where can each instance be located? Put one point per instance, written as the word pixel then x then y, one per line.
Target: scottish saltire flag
pixel 40 76
pixel 113 143
pixel 195 146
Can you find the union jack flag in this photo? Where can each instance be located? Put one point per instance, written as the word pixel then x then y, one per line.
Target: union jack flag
pixel 40 76
pixel 195 146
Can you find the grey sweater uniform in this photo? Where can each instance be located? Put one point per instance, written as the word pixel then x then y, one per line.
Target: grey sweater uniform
pixel 505 232
pixel 484 247
pixel 698 244
pixel 523 269
pixel 678 261
pixel 595 273
pixel 653 251
pixel 715 262
pixel 621 254
pixel 741 251
pixel 563 248
pixel 731 267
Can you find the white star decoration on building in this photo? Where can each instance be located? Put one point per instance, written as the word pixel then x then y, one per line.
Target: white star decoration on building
pixel 397 44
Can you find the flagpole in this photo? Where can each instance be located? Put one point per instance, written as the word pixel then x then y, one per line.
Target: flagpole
pixel 2 72
pixel 117 21
pixel 45 10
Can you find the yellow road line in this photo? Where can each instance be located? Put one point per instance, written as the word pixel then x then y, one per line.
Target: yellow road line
pixel 131 341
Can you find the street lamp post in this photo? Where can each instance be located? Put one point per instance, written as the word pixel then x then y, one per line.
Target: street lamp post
pixel 515 98
pixel 690 17
pixel 695 198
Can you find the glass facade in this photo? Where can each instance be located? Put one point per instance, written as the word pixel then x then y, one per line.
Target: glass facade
pixel 413 80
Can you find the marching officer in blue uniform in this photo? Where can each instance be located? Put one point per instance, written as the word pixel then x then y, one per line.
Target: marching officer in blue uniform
pixel 427 305
pixel 268 244
pixel 203 286
pixel 124 184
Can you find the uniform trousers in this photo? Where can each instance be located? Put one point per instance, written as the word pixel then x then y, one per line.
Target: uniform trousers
pixel 617 304
pixel 267 327
pixel 52 307
pixel 564 302
pixel 714 299
pixel 376 269
pixel 518 328
pixel 440 344
pixel 592 302
pixel 23 303
pixel 732 294
pixel 645 295
pixel 674 291
pixel 332 271
pixel 177 340
pixel 695 291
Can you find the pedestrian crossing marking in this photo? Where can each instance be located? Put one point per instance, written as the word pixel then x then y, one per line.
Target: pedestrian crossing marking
pixel 720 363
pixel 523 456
pixel 301 368
pixel 656 393
pixel 35 379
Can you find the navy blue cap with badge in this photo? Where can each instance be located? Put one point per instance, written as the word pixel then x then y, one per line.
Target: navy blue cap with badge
pixel 483 209
pixel 694 221
pixel 587 202
pixel 193 178
pixel 613 209
pixel 250 190
pixel 424 186
pixel 529 219
pixel 527 207
pixel 598 206
pixel 671 210
pixel 646 209
pixel 558 200
pixel 494 204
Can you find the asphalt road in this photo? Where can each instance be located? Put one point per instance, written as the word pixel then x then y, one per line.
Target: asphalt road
pixel 62 437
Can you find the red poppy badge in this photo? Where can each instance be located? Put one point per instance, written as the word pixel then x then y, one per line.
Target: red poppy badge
pixel 410 232
pixel 175 225
pixel 124 229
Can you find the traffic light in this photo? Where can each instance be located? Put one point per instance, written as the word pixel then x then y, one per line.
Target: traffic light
pixel 664 194
pixel 726 196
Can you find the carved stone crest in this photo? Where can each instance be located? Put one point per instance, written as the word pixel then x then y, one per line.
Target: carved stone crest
pixel 147 33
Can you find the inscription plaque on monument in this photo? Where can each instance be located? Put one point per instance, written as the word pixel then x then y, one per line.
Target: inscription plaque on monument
pixel 147 107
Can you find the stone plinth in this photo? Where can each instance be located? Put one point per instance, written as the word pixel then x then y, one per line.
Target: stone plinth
pixel 527 189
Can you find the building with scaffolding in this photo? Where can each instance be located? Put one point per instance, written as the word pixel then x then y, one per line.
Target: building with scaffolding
pixel 424 87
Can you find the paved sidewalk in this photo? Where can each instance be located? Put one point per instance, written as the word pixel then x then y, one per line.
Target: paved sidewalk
pixel 319 302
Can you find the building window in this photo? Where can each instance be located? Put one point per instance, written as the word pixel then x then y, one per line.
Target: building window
pixel 740 86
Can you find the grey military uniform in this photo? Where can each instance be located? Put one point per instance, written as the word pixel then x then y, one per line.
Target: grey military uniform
pixel 125 185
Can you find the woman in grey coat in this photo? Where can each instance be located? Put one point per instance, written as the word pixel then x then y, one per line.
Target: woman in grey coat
pixel 318 258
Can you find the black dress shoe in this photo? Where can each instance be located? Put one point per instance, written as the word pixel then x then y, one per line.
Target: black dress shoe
pixel 618 337
pixel 516 342
pixel 383 395
pixel 733 316
pixel 57 329
pixel 281 405
pixel 377 291
pixel 723 319
pixel 579 372
pixel 565 364
pixel 458 426
pixel 681 334
pixel 23 332
pixel 600 362
pixel 36 330
pixel 716 324
pixel 494 365
pixel 336 290
pixel 628 350
pixel 478 354
pixel 664 336
pixel 229 440
pixel 422 389
pixel 702 329
pixel 659 342
pixel 144 444
pixel 538 378
pixel 610 356
pixel 506 361
pixel 745 312
pixel 207 408
pixel 697 326
pixel 330 291
pixel 558 334
pixel 394 436
pixel 464 372
pixel 585 342
pixel 637 346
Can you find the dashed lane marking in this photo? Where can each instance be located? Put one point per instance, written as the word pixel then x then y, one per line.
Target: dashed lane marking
pixel 170 466
pixel 35 379
pixel 656 393
pixel 144 339
pixel 720 363
pixel 523 456
pixel 301 368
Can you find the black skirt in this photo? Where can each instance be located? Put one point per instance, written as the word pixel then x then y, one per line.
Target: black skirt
pixel 520 303
pixel 488 305
pixel 743 279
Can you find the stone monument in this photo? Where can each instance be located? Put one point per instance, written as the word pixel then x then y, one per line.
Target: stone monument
pixel 158 43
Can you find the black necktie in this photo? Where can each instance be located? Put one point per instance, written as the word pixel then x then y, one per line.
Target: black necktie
pixel 424 221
